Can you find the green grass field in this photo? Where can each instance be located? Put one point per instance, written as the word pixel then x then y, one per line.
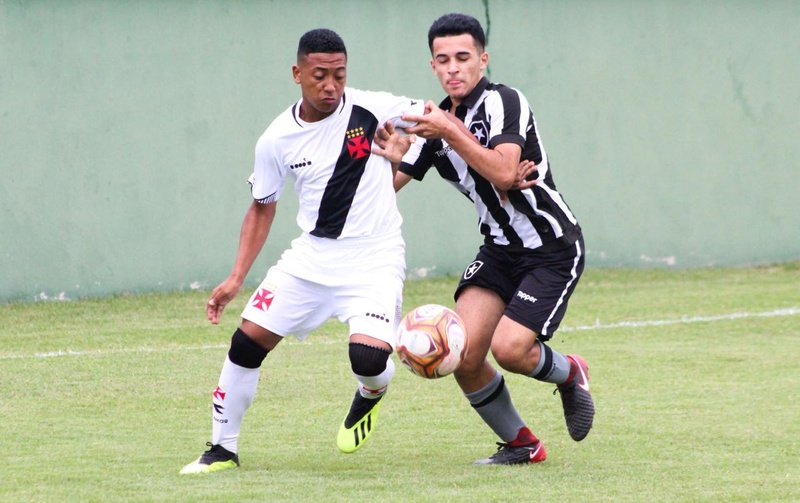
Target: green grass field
pixel 695 374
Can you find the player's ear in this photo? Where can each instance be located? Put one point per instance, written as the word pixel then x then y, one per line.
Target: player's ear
pixel 433 65
pixel 484 60
pixel 296 74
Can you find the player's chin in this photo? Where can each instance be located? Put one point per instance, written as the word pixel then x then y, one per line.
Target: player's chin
pixel 327 106
pixel 456 90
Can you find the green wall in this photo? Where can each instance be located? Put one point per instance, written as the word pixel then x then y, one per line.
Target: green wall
pixel 127 130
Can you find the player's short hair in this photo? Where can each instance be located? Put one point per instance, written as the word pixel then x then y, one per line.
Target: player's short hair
pixel 320 40
pixel 457 24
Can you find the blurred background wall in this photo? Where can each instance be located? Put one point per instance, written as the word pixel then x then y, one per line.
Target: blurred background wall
pixel 127 130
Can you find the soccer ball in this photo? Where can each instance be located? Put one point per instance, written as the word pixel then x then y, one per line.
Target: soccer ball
pixel 431 341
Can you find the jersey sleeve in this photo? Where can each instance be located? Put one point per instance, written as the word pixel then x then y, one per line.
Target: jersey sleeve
pixel 267 180
pixel 386 106
pixel 418 160
pixel 508 110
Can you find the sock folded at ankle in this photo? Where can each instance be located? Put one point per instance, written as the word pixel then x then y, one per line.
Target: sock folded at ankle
pixel 524 437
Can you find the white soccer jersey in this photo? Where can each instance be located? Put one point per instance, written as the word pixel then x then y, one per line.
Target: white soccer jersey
pixel 344 190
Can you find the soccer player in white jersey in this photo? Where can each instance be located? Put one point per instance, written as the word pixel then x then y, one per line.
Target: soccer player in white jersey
pixel 513 296
pixel 348 263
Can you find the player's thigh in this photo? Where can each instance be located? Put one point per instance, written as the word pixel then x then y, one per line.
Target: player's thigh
pixel 260 335
pixel 371 308
pixel 286 305
pixel 542 296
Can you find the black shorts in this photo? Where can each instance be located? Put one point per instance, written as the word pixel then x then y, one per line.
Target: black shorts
pixel 535 286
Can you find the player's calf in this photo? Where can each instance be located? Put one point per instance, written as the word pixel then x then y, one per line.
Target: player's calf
pixel 374 370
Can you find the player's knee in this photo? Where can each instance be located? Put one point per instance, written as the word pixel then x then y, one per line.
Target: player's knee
pixel 366 360
pixel 245 352
pixel 506 355
pixel 472 363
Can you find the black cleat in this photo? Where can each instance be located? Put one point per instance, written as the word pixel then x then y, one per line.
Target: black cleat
pixel 577 401
pixel 508 455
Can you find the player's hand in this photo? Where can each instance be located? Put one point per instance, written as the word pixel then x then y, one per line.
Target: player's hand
pixel 435 123
pixel 390 144
pixel 527 174
pixel 526 178
pixel 220 297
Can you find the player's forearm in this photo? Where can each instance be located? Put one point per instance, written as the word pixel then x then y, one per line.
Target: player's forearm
pixel 255 229
pixel 400 180
pixel 497 167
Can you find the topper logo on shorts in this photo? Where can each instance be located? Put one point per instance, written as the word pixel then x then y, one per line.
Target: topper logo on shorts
pixel 524 296
pixel 263 299
pixel 357 143
pixel 472 269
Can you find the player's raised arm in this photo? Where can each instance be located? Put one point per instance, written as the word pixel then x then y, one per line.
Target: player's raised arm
pixel 498 165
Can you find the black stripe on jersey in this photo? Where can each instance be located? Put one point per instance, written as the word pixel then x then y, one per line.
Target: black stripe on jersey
pixel 489 198
pixel 424 161
pixel 547 204
pixel 443 165
pixel 511 110
pixel 532 150
pixel 540 223
pixel 341 189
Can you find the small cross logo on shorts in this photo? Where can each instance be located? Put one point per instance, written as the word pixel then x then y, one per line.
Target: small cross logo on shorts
pixel 263 299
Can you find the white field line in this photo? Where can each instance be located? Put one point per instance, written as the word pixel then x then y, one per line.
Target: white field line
pixel 792 311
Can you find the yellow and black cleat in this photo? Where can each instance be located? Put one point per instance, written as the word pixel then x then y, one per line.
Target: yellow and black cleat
pixel 213 460
pixel 358 425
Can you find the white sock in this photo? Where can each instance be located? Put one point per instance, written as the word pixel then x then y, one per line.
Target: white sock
pixel 234 394
pixel 373 387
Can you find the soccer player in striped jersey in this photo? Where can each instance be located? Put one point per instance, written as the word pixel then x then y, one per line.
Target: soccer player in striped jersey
pixel 513 296
pixel 348 263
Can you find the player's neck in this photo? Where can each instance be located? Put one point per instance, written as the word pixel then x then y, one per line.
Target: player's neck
pixel 310 114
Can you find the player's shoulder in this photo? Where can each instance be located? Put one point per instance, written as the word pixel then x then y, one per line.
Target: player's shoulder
pixel 503 94
pixel 499 89
pixel 283 123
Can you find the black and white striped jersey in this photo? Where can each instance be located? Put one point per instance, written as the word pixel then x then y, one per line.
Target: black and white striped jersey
pixel 344 190
pixel 535 218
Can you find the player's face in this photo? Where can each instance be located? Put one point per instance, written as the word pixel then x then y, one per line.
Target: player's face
pixel 322 78
pixel 458 64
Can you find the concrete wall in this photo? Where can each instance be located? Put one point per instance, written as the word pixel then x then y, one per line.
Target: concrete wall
pixel 127 130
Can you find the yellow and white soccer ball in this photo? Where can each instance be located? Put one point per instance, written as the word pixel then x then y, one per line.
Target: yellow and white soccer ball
pixel 431 341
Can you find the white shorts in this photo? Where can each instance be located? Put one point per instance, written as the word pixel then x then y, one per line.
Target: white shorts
pixel 362 286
